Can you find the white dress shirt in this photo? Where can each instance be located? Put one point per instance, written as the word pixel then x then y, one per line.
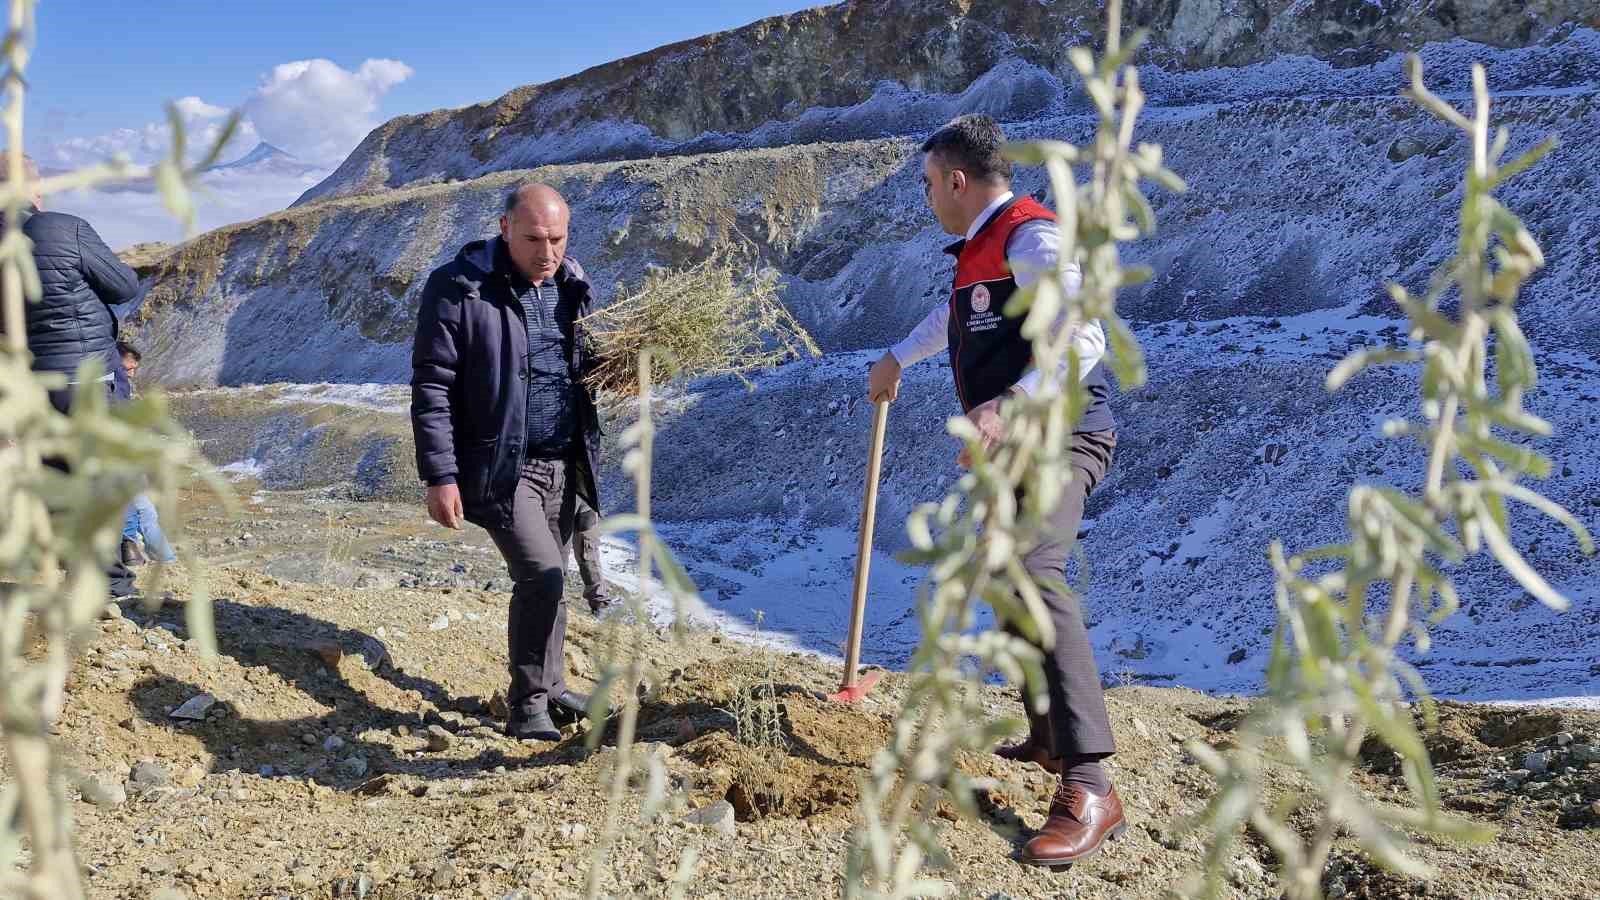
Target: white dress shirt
pixel 1032 252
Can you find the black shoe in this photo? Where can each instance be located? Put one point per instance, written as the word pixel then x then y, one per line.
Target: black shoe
pixel 601 604
pixel 569 707
pixel 532 727
pixel 132 553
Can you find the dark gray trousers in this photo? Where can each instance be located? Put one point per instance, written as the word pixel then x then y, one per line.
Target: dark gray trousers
pixel 534 548
pixel 586 543
pixel 119 577
pixel 1077 723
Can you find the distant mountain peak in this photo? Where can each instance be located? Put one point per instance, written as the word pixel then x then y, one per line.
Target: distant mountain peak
pixel 263 152
pixel 266 159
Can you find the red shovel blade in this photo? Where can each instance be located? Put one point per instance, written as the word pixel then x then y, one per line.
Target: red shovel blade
pixel 854 692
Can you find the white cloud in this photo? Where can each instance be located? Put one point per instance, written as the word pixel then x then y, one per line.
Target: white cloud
pixel 129 217
pixel 312 108
pixel 319 111
pixel 195 108
pixel 202 124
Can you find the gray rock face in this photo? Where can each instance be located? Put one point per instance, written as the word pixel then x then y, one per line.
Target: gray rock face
pixel 439 739
pixel 837 73
pixel 148 773
pixel 195 708
pixel 105 791
pixel 1537 763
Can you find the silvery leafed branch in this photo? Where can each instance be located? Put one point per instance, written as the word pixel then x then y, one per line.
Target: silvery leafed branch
pixel 1334 679
pixel 57 527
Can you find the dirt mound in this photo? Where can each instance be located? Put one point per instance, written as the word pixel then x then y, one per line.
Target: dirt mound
pixel 826 750
pixel 1465 733
pixel 808 764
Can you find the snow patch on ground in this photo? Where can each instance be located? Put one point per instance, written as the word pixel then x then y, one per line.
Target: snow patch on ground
pixel 243 469
pixel 800 581
pixel 378 397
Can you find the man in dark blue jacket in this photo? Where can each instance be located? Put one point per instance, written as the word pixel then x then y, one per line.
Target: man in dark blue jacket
pixel 73 321
pixel 507 433
pixel 82 279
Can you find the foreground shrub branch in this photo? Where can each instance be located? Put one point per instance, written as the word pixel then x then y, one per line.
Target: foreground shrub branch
pixel 1334 677
pixel 65 483
pixel 626 656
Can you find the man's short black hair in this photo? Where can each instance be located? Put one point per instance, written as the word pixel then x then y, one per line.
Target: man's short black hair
pixel 126 349
pixel 972 144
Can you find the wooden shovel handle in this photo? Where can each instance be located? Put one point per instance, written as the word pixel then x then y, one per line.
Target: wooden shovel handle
pixel 869 516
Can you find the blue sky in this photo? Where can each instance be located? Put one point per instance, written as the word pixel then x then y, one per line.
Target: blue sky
pixel 312 77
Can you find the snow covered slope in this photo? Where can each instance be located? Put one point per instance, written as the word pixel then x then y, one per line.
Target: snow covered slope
pixel 1312 184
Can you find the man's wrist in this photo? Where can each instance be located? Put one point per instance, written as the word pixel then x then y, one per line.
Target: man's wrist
pixel 442 480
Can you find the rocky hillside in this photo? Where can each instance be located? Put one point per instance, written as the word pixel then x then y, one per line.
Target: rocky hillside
pixel 873 67
pixel 1312 184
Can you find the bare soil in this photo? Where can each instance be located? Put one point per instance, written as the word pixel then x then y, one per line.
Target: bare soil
pixel 354 751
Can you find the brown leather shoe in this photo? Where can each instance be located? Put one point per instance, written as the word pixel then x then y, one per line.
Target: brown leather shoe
pixel 1079 823
pixel 1028 751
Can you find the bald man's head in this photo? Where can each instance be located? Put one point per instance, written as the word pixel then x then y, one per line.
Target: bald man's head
pixel 534 228
pixel 536 195
pixel 30 173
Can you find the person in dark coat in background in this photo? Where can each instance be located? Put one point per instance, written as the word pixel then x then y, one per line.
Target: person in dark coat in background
pixel 73 320
pixel 81 280
pixel 586 547
pixel 507 432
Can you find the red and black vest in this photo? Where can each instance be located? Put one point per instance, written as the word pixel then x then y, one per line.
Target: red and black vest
pixel 988 353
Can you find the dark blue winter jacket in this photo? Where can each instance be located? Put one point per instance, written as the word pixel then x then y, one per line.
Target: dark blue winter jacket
pixel 469 398
pixel 82 280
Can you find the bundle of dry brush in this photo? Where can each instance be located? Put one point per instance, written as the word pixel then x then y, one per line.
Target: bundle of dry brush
pixel 718 317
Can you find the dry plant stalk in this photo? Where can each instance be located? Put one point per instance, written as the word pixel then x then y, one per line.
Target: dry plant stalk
pixel 975 540
pixel 1334 676
pixel 57 528
pixel 718 317
pixel 626 656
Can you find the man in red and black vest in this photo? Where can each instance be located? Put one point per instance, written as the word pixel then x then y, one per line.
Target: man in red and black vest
pixel 1009 243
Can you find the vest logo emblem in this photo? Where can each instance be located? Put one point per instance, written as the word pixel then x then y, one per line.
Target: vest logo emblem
pixel 980 299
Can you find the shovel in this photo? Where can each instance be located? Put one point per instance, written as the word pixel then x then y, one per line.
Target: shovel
pixel 855 685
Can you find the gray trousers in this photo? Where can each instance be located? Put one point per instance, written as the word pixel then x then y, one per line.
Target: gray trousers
pixel 1077 723
pixel 586 543
pixel 119 577
pixel 534 548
